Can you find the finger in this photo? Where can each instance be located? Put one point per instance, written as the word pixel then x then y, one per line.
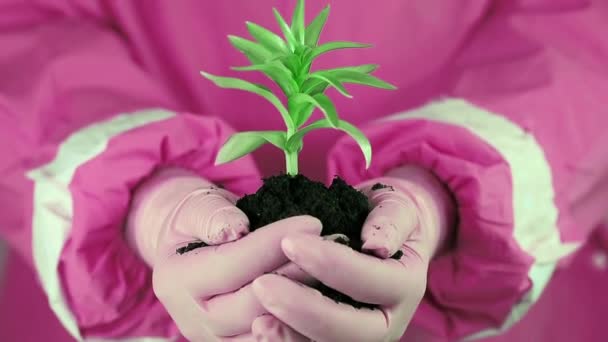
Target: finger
pixel 246 337
pixel 392 219
pixel 232 313
pixel 209 215
pixel 296 273
pixel 313 315
pixel 269 329
pixel 228 267
pixel 183 309
pixel 363 277
pixel 223 315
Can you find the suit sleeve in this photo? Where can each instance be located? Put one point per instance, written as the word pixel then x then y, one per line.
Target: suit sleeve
pixel 81 124
pixel 521 139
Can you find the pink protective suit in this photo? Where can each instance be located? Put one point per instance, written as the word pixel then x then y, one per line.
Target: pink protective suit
pixel 504 100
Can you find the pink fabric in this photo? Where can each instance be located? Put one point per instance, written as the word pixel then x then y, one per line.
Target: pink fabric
pixel 552 85
pixel 572 308
pixel 122 295
pixel 23 302
pixel 66 65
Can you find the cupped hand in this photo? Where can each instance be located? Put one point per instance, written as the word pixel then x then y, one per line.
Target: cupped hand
pixel 410 215
pixel 202 256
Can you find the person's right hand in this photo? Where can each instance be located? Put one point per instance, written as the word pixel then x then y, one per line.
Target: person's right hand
pixel 206 290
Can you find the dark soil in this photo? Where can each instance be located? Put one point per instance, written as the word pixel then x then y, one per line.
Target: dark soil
pixel 341 208
pixel 379 186
pixel 191 246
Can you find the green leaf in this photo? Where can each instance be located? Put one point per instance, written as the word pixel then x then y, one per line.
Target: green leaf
pixel 297 22
pixel 361 140
pixel 305 64
pixel 235 83
pixel 296 139
pixel 320 101
pixel 292 62
pixel 289 37
pixel 256 53
pixel 344 126
pixel 364 68
pixel 243 143
pixel 351 76
pixel 313 31
pixel 327 47
pixel 277 72
pixel 314 86
pixel 303 113
pixel 267 38
pixel 328 108
pixel 331 80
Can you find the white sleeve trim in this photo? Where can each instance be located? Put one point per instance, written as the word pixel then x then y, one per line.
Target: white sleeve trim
pixel 52 207
pixel 535 214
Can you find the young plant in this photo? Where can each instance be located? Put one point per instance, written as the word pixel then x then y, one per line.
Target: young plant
pixel 288 62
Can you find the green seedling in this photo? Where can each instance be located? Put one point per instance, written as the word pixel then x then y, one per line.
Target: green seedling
pixel 287 61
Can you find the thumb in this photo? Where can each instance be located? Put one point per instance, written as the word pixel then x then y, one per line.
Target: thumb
pixel 392 220
pixel 210 215
pixel 268 328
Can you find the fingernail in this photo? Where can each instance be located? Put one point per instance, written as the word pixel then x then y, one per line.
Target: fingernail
pixel 259 287
pixel 260 327
pixel 262 288
pixel 289 248
pixel 259 337
pixel 296 273
pixel 376 246
pixel 310 224
pixel 381 252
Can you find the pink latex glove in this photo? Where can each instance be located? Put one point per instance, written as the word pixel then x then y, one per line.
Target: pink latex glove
pixel 206 291
pixel 413 216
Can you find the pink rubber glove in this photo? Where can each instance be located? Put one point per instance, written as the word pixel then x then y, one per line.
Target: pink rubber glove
pixel 413 216
pixel 206 291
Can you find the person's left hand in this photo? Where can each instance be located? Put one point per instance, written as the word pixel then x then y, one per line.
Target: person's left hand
pixel 411 216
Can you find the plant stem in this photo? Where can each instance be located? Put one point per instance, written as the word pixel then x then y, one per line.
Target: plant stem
pixel 291 159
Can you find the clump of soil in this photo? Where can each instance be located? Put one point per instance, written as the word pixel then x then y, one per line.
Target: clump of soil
pixel 379 186
pixel 341 208
pixel 191 246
